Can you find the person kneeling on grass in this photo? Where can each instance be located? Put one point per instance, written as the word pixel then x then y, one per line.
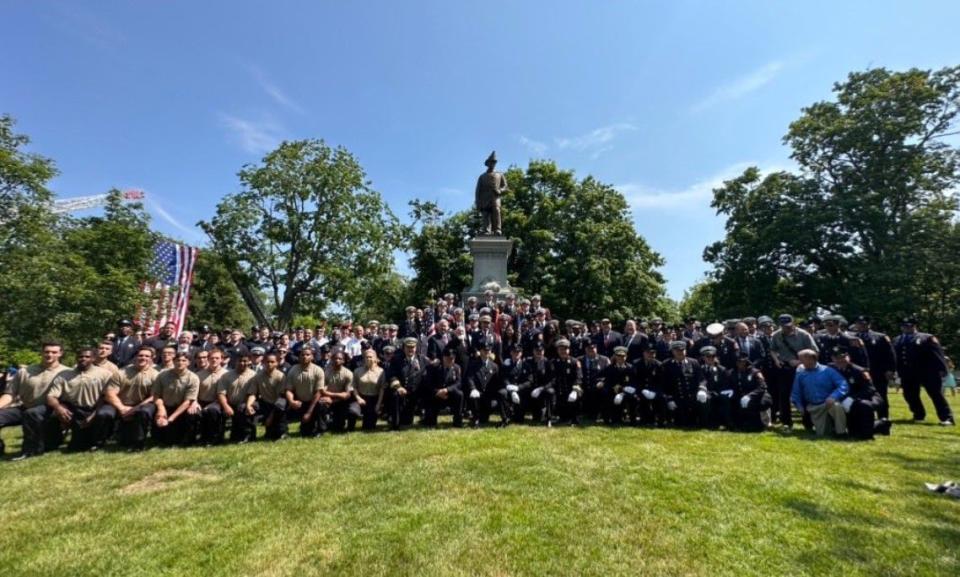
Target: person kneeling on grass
pixel 233 388
pixel 305 401
pixel 344 408
pixel 267 397
pixel 128 400
pixel 175 394
pixel 74 398
pixel 750 398
pixel 863 400
pixel 819 390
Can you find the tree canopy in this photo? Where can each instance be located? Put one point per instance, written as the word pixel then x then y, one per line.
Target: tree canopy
pixel 306 228
pixel 867 222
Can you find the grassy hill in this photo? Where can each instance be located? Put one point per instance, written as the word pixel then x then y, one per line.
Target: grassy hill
pixel 521 501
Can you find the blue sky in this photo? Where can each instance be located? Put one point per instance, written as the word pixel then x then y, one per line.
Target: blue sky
pixel 662 99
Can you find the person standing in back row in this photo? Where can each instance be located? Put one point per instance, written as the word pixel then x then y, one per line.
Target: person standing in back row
pixel 921 364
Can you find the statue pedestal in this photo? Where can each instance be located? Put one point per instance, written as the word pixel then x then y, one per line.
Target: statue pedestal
pixel 490 254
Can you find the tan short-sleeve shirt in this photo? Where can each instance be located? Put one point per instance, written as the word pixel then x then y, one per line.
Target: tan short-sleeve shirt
pixel 174 389
pixel 305 382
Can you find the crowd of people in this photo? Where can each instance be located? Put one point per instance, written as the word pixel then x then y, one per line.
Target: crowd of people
pixel 485 360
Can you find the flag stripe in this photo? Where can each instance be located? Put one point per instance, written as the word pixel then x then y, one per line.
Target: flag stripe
pixel 172 265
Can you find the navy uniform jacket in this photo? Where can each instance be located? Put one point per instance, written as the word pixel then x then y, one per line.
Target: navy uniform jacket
pixel 880 352
pixel 519 374
pixel 578 345
pixel 681 379
pixel 616 377
pixel 410 373
pixel 409 328
pixel 715 377
pixel 480 374
pixel 542 372
pixel 592 369
pixel 647 374
pixel 566 375
pixel 727 350
pixel 529 339
pixel 826 342
pixel 124 349
pixel 749 382
pixel 441 377
pixel 859 384
pixel 919 356
pixel 435 346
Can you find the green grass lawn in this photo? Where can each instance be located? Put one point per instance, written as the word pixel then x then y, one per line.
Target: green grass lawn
pixel 524 501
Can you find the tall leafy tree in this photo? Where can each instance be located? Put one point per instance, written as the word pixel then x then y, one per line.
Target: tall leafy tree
pixel 306 228
pixel 215 300
pixel 864 220
pixel 574 243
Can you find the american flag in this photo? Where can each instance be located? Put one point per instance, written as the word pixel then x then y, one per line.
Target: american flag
pixel 172 267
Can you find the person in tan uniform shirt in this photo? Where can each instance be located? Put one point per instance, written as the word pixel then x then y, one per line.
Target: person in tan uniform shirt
pixel 305 399
pixel 174 392
pixel 104 351
pixel 368 384
pixel 74 397
pixel 268 399
pixel 128 399
pixel 211 415
pixel 344 409
pixel 232 391
pixel 25 400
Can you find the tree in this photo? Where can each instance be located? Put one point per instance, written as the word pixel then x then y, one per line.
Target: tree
pixel 438 250
pixel 64 278
pixel 307 228
pixel 214 299
pixel 574 243
pixel 698 301
pixel 861 225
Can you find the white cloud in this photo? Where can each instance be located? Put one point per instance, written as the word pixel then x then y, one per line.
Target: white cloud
pixel 534 146
pixel 698 194
pixel 597 140
pixel 192 232
pixel 741 86
pixel 254 136
pixel 278 95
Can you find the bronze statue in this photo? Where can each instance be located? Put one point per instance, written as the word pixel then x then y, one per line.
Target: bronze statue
pixel 490 186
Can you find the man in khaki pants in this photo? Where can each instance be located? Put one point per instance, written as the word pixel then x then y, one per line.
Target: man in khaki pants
pixel 820 390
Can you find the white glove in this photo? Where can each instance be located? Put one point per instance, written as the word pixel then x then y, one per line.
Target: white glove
pixel 536 392
pixel 572 397
pixel 512 388
pixel 672 406
pixel 493 403
pixel 744 401
pixel 702 396
pixel 515 397
pixel 727 393
pixel 618 399
pixel 648 394
pixel 474 394
pixel 630 390
pixel 846 404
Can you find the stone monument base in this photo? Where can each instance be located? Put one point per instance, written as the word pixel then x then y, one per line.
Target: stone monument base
pixel 490 255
